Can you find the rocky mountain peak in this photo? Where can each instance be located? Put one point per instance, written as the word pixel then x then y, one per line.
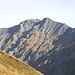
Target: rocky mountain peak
pixel 43 44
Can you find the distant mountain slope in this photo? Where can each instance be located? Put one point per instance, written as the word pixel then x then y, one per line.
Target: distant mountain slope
pixel 43 44
pixel 12 66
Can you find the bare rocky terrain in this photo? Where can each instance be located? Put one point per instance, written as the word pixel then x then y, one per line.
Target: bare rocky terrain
pixel 46 45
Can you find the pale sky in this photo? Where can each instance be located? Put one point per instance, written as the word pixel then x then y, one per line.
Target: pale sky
pixel 12 12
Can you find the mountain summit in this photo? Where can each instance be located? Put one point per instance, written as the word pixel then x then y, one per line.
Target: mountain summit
pixel 46 45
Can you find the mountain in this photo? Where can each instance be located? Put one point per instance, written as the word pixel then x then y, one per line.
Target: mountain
pixel 12 66
pixel 46 45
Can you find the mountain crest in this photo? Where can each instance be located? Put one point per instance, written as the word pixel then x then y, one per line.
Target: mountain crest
pixel 43 44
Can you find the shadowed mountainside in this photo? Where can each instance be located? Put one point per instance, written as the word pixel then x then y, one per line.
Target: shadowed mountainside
pixel 43 44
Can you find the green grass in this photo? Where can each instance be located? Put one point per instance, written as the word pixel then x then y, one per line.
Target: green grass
pixel 12 66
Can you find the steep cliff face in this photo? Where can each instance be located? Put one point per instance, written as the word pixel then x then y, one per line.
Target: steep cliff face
pixel 43 44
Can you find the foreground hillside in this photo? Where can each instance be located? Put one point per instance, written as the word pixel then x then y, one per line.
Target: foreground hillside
pixel 46 45
pixel 12 66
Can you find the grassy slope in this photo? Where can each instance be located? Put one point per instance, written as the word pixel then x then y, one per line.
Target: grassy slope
pixel 11 66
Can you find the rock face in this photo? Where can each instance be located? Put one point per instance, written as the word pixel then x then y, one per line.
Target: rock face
pixel 46 45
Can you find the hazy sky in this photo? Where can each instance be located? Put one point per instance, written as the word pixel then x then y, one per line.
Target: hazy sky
pixel 12 12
